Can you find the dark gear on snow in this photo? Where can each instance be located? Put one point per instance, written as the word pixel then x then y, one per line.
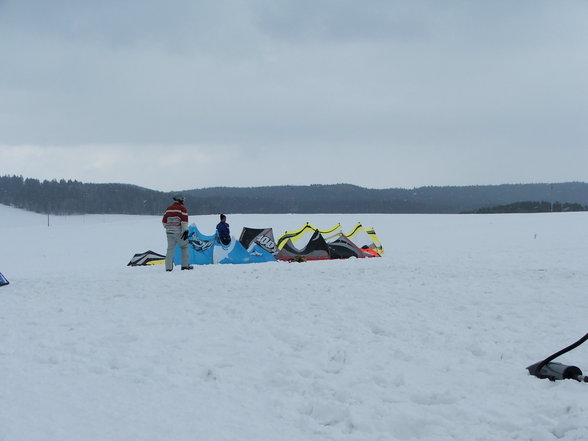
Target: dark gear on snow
pixel 558 371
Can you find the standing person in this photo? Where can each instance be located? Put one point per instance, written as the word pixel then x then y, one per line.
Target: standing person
pixel 175 222
pixel 223 231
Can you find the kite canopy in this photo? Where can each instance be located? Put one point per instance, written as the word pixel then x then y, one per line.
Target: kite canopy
pixel 201 247
pixel 256 245
pixel 366 239
pixel 207 249
pixel 298 234
pixel 231 253
pixel 343 248
pixel 259 243
pixel 147 258
pixel 3 280
pixel 315 249
pixel 365 243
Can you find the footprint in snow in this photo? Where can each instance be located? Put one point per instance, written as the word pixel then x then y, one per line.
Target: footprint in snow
pixel 336 361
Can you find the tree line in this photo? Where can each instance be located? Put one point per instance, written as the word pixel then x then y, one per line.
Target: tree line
pixel 532 207
pixel 74 197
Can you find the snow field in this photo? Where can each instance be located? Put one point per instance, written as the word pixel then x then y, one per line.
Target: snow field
pixel 429 342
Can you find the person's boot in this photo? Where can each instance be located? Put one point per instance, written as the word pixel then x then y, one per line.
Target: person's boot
pixel 189 267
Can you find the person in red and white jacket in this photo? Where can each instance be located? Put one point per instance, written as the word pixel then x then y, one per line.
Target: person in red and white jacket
pixel 175 222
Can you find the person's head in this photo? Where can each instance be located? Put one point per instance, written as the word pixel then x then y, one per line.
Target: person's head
pixel 223 218
pixel 179 198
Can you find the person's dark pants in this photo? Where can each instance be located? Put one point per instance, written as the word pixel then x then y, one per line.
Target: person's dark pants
pixel 225 240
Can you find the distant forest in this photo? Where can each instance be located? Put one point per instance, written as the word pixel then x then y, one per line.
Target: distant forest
pixel 73 197
pixel 532 207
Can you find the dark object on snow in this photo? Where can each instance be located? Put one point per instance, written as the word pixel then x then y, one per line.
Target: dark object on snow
pixel 316 249
pixel 558 371
pixel 264 237
pixel 259 243
pixel 147 258
pixel 3 280
pixel 555 371
pixel 343 248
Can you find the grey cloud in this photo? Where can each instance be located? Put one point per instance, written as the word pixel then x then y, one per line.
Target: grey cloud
pixel 259 74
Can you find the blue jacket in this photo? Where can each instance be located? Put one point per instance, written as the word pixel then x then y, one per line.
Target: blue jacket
pixel 223 230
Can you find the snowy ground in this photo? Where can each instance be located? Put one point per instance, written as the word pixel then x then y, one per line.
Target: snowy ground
pixel 429 342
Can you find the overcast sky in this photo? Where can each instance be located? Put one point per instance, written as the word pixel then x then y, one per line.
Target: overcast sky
pixel 182 94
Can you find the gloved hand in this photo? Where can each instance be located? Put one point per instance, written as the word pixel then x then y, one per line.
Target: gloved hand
pixel 185 235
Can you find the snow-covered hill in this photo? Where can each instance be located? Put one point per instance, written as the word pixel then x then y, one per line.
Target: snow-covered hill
pixel 429 342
